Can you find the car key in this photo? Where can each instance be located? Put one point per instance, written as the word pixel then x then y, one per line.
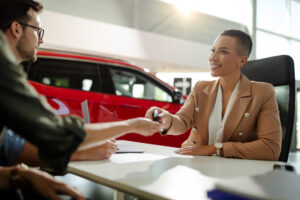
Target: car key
pixel 155 115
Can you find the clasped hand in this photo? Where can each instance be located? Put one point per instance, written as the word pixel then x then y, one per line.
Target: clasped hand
pixel 203 150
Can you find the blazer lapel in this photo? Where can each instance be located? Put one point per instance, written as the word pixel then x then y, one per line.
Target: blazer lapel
pixel 238 108
pixel 206 101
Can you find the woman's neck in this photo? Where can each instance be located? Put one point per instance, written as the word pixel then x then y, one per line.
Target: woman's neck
pixel 229 82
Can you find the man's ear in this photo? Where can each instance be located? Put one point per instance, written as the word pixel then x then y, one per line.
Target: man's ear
pixel 16 29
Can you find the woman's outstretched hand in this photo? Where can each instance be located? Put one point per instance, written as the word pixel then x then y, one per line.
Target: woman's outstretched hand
pixel 204 150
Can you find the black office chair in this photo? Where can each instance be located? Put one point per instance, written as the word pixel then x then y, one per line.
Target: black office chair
pixel 279 71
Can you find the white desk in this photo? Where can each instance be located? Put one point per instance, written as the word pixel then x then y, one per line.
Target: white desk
pixel 159 173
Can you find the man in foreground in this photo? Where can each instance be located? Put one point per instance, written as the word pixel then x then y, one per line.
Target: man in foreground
pixel 28 114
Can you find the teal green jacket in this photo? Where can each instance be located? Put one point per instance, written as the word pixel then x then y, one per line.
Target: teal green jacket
pixel 23 110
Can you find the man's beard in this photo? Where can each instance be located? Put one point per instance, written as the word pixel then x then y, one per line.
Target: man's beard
pixel 24 53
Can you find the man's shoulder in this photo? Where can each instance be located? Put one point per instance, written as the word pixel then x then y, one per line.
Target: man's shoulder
pixel 5 51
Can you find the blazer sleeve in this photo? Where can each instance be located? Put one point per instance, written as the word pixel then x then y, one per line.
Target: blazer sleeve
pixel 267 145
pixel 184 118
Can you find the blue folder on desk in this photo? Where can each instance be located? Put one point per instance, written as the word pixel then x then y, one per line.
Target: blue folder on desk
pixel 217 194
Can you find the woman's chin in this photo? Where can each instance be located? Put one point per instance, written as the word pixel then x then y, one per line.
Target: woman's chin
pixel 213 74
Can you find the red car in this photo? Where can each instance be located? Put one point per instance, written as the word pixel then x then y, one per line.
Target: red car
pixel 115 90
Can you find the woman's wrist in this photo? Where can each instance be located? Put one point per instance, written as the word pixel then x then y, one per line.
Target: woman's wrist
pixel 171 123
pixel 212 149
pixel 165 131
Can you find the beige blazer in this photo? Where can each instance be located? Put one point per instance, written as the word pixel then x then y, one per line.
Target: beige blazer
pixel 252 129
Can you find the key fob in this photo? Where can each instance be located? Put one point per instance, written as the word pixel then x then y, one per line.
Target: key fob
pixel 155 115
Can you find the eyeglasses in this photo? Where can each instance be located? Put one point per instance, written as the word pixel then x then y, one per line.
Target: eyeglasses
pixel 40 30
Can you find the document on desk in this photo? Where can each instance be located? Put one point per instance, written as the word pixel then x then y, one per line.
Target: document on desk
pixel 276 184
pixel 132 158
pixel 127 148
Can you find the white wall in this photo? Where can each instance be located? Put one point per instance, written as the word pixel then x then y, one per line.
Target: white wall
pixel 195 76
pixel 73 33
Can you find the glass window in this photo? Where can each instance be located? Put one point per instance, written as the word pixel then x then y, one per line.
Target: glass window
pixel 168 77
pixel 295 49
pixel 272 15
pixel 66 74
pixel 295 19
pixel 132 84
pixel 270 45
pixel 234 10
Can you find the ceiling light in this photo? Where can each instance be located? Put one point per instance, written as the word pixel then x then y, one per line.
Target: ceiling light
pixel 184 10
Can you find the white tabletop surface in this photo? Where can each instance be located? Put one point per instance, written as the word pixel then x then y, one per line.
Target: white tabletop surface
pixel 159 173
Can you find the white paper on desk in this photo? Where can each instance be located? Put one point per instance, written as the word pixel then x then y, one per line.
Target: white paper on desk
pixel 127 148
pixel 130 158
pixel 276 184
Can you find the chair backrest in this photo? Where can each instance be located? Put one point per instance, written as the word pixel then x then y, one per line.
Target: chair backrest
pixel 279 71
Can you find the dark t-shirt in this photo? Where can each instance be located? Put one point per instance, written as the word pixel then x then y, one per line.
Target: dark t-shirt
pixel 11 147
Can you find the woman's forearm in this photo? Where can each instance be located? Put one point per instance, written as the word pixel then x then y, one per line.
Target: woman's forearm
pixel 177 127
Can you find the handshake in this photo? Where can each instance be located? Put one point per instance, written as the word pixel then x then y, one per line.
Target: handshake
pixel 161 116
pixel 155 117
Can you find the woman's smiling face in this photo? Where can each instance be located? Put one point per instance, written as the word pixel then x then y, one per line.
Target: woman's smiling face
pixel 224 58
